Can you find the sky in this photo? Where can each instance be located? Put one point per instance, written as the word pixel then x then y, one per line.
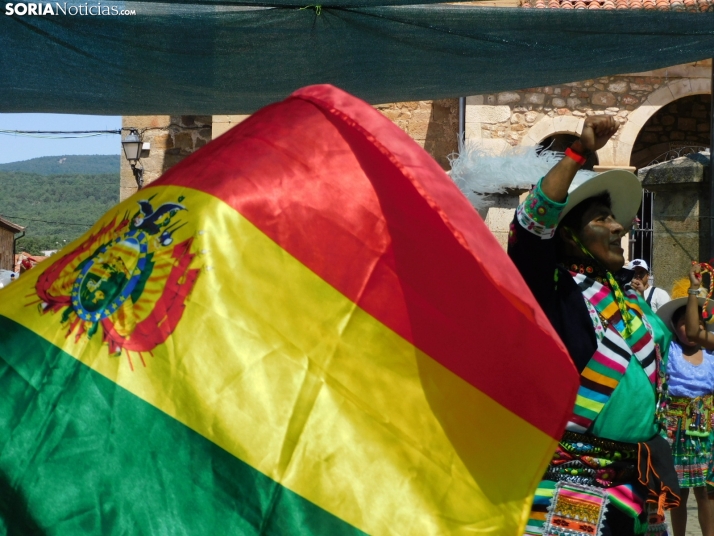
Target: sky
pixel 14 148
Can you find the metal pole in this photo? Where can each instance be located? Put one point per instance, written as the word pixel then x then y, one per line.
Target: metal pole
pixel 711 166
pixel 462 121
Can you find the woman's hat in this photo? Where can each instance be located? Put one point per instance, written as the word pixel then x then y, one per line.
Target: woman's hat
pixel 666 311
pixel 679 299
pixel 623 186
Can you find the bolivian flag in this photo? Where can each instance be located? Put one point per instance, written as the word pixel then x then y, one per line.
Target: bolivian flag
pixel 303 328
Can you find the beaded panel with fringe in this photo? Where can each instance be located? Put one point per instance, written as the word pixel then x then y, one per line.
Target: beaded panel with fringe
pixel 576 510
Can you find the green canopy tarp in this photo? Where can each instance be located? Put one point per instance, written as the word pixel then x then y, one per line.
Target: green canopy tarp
pixel 232 57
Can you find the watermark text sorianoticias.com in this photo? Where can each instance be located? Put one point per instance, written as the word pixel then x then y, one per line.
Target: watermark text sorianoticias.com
pixel 56 8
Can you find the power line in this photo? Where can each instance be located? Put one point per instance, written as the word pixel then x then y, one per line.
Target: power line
pixel 45 179
pixel 45 221
pixel 59 134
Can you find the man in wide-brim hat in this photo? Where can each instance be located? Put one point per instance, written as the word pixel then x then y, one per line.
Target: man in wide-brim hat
pixel 612 471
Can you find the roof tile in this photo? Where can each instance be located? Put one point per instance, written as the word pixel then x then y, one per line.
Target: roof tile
pixel 663 5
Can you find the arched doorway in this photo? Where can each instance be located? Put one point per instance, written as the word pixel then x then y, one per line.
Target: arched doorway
pixel 679 128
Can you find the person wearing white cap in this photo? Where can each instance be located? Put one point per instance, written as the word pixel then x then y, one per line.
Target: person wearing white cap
pixel 566 242
pixel 655 297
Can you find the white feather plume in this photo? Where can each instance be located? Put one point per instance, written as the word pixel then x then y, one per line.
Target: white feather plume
pixel 478 171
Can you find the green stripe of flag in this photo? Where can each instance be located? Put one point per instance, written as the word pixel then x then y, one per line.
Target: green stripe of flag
pixel 81 455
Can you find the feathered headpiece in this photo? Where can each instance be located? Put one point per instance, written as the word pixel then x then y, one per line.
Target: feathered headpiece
pixel 479 172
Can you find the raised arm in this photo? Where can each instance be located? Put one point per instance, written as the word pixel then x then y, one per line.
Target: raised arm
pixel 530 244
pixel 597 130
pixel 692 322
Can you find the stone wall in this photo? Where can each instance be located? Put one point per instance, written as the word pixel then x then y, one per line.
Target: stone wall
pixel 171 139
pixel 527 116
pixel 432 124
pixel 223 123
pixel 499 215
pixel 510 114
pixel 640 102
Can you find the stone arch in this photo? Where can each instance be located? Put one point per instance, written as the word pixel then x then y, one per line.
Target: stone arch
pixel 673 130
pixel 618 151
pixel 549 126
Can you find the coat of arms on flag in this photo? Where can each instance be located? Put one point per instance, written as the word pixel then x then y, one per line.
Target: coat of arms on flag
pixel 127 282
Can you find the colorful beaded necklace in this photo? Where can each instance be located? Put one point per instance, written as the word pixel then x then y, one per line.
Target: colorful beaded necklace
pixel 627 317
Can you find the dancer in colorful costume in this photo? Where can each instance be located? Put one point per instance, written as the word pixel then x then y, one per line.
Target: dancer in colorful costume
pixel 612 473
pixel 690 373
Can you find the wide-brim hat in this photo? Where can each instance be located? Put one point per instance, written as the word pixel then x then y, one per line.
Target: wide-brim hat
pixel 666 311
pixel 623 186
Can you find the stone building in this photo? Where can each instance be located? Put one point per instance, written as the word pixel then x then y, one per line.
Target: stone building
pixel 660 112
pixel 432 124
pixel 171 138
pixel 8 230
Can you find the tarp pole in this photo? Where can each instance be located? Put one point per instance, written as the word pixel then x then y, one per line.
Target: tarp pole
pixel 711 166
pixel 462 121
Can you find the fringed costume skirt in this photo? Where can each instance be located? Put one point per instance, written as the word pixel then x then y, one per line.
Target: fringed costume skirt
pixel 689 432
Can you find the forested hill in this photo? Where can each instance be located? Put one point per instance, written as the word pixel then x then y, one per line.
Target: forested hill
pixel 96 164
pixel 56 209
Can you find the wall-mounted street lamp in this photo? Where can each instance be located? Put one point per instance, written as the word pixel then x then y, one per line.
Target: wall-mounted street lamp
pixel 132 145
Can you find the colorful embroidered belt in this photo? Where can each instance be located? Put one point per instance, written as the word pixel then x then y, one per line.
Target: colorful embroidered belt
pixel 691 416
pixel 593 461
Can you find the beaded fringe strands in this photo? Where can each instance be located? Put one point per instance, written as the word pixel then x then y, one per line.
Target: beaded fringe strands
pixel 656 523
pixel 576 510
pixel 592 461
pixel 699 417
pixel 662 390
pixel 688 431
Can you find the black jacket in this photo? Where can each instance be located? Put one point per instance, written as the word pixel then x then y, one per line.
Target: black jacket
pixel 561 301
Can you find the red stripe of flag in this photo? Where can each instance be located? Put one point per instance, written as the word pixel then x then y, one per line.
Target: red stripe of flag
pixel 363 193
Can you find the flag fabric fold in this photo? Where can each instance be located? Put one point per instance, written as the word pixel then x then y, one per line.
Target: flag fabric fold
pixel 304 327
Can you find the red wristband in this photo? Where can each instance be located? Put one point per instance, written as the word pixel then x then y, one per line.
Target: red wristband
pixel 580 159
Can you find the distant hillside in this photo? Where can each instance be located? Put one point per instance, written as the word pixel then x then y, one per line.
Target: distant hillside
pixel 56 209
pixel 96 164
